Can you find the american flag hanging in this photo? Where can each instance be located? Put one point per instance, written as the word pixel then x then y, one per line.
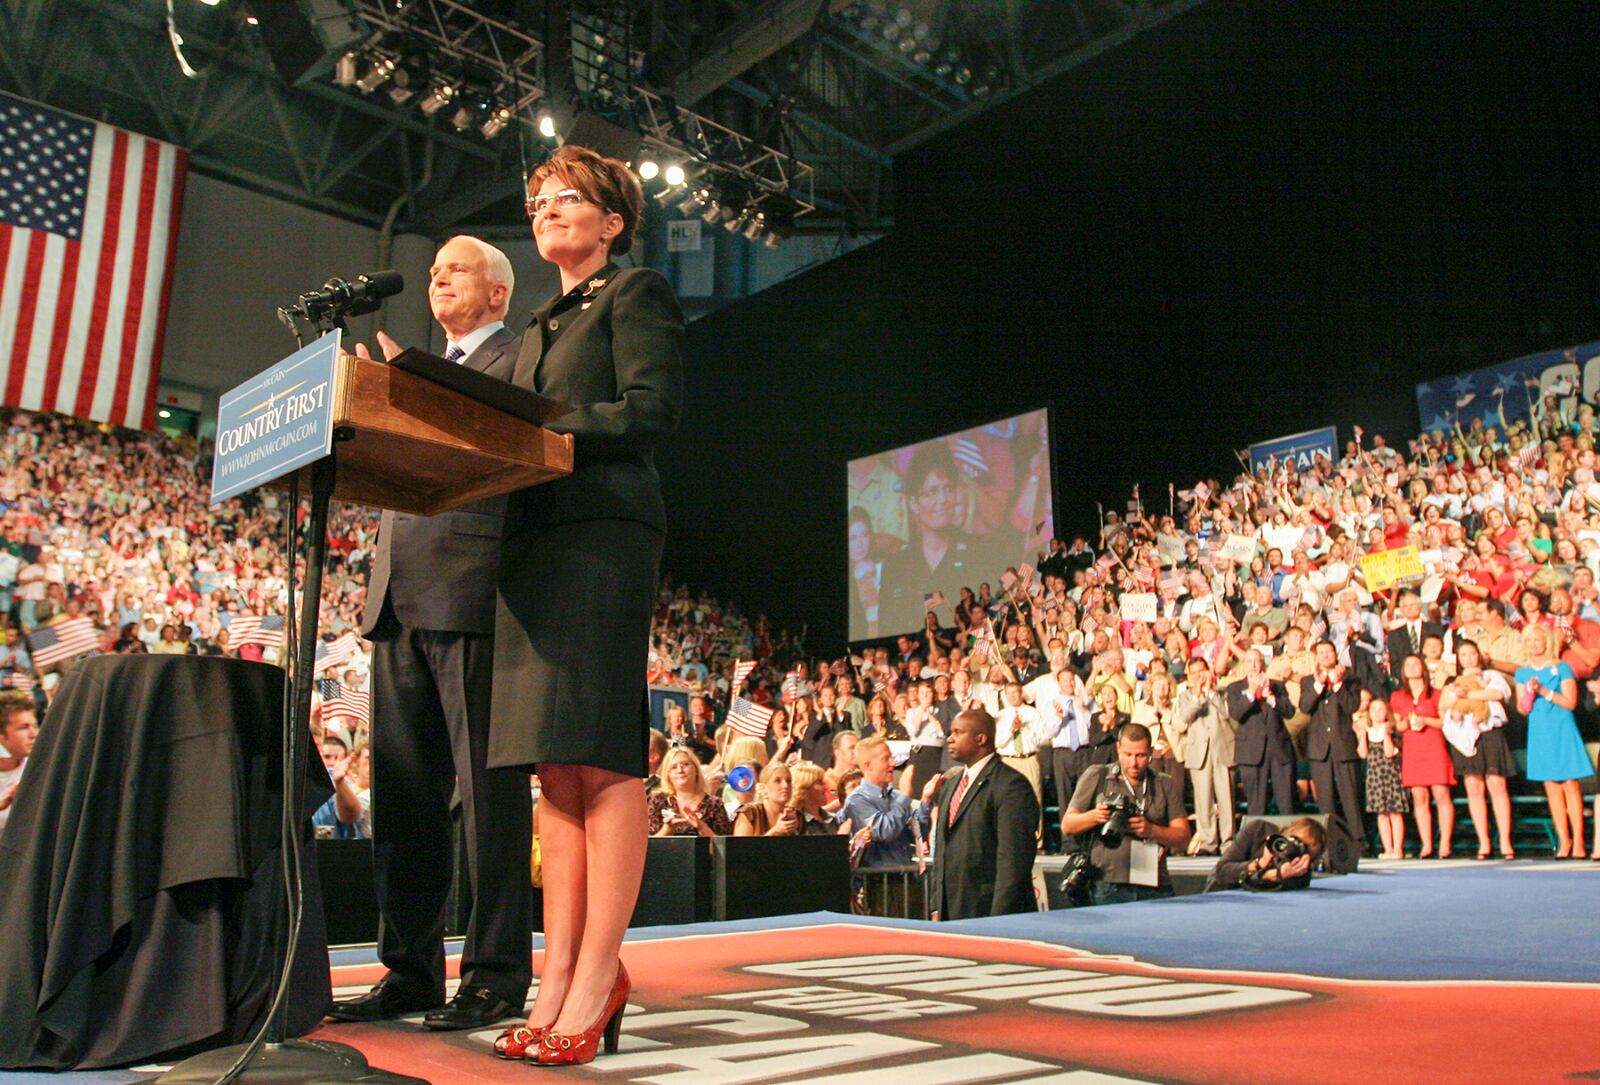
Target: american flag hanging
pixel 251 629
pixel 54 644
pixel 88 231
pixel 352 704
pixel 749 718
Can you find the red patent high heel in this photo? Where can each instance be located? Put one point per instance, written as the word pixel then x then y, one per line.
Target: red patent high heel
pixel 556 1049
pixel 515 1043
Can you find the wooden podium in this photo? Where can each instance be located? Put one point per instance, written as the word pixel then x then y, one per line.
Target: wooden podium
pixel 405 442
pixel 409 444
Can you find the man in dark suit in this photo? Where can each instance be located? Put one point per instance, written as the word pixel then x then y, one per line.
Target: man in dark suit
pixel 983 829
pixel 1406 638
pixel 430 612
pixel 1331 700
pixel 1262 749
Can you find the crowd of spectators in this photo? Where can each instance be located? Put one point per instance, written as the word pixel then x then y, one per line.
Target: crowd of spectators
pixel 1238 627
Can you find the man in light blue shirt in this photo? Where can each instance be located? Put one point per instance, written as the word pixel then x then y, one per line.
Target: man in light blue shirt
pixel 878 816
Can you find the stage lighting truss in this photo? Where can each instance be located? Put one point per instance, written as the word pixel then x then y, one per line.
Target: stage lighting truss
pixel 447 57
pixel 947 65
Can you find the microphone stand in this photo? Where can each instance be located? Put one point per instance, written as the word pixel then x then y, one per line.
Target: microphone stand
pixel 270 1058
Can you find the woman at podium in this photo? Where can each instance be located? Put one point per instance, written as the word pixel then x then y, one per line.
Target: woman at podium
pixel 578 576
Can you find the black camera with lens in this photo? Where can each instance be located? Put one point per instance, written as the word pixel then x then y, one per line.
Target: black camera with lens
pixel 1286 849
pixel 1116 826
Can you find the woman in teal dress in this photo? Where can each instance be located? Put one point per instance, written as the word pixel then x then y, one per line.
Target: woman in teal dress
pixel 1547 691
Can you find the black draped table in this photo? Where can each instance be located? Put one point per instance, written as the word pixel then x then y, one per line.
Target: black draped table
pixel 139 878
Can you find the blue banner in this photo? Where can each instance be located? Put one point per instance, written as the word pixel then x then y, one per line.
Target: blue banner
pixel 1498 395
pixel 1301 448
pixel 277 421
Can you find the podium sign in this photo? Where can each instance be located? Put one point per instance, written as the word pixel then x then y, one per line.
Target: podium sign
pixel 277 421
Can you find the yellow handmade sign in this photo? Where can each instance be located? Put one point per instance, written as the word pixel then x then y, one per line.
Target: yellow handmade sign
pixel 1383 568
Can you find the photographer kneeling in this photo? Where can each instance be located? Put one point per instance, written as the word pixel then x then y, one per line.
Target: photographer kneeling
pixel 1130 816
pixel 1260 857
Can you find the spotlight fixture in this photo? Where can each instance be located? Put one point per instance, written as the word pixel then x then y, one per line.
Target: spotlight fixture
pixel 209 4
pixel 346 70
pixel 712 212
pixel 440 96
pixel 473 106
pixel 547 124
pixel 689 203
pixel 499 117
pixel 738 222
pixel 756 226
pixel 382 68
pixel 410 76
pixel 674 175
pixel 648 169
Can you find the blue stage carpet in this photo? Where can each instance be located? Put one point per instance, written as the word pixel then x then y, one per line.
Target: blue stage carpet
pixel 1412 972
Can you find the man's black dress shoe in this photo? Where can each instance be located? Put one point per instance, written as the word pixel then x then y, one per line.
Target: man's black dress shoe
pixel 391 997
pixel 473 1007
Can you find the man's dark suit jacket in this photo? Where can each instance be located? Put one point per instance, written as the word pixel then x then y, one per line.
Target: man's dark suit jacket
pixel 1398 642
pixel 1329 736
pixel 618 352
pixel 1261 737
pixel 438 572
pixel 983 864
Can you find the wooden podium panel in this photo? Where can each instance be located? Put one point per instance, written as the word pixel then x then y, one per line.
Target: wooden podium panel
pixel 419 447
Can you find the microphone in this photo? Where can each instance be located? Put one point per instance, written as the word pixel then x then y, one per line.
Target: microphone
pixel 365 295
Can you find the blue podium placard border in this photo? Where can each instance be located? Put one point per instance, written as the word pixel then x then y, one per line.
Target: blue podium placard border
pixel 277 421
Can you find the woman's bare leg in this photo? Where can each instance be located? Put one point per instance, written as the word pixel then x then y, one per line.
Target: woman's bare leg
pixel 614 836
pixel 565 867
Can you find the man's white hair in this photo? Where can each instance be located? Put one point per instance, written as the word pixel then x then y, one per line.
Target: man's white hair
pixel 498 263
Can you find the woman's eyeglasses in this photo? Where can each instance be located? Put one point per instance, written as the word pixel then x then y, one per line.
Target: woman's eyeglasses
pixel 566 199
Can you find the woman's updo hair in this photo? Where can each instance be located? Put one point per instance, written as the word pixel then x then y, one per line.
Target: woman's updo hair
pixel 606 182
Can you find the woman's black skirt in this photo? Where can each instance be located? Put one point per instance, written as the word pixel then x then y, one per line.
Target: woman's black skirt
pixel 572 631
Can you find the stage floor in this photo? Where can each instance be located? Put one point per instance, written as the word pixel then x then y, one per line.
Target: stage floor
pixel 1438 972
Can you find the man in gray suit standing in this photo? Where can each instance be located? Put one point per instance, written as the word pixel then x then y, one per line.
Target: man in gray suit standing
pixel 430 613
pixel 1203 722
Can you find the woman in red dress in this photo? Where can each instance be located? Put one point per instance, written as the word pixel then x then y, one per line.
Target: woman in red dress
pixel 1425 765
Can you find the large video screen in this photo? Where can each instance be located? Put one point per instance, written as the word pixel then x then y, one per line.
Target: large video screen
pixel 941 515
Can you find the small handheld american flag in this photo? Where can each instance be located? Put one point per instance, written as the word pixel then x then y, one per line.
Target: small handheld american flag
pixel 748 718
pixel 741 671
pixel 791 685
pixel 335 652
pixel 352 704
pixel 55 644
pixel 266 631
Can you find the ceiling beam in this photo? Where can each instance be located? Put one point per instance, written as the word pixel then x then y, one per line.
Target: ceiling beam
pixel 750 39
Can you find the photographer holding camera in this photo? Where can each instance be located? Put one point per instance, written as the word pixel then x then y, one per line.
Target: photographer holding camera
pixel 1130 817
pixel 1261 857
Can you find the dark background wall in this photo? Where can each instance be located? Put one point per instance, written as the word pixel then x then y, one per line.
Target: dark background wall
pixel 1260 219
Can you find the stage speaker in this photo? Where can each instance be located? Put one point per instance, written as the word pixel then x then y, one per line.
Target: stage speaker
pixel 305 37
pixel 1342 854
pixel 348 901
pixel 756 876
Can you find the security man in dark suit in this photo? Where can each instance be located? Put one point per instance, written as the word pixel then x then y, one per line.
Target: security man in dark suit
pixel 1262 749
pixel 1331 697
pixel 430 612
pixel 983 829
